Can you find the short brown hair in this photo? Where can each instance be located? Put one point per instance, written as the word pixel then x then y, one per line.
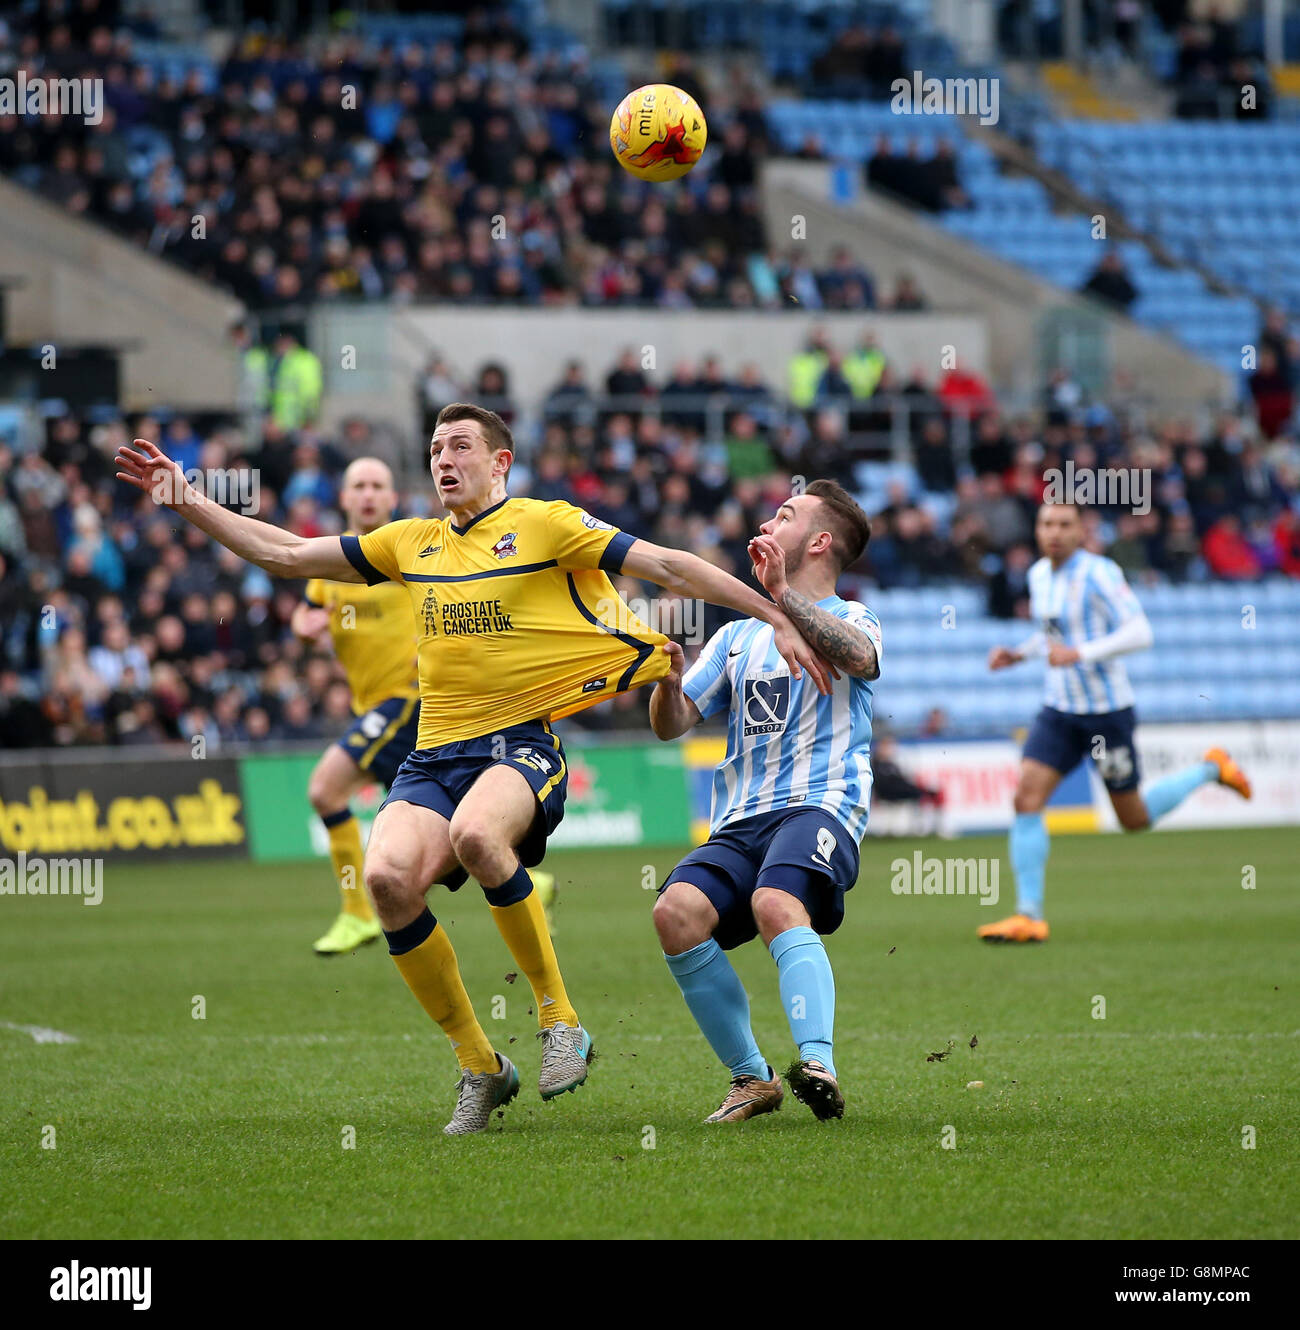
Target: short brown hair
pixel 495 430
pixel 849 526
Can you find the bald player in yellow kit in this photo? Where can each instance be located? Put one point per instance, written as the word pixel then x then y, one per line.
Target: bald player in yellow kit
pixel 519 625
pixel 372 630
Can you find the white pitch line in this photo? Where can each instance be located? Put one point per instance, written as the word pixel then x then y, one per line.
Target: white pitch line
pixel 42 1034
pixel 306 1039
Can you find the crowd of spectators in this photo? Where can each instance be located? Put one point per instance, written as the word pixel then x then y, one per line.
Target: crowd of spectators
pixel 1212 68
pixel 930 182
pixel 123 625
pixel 470 171
pixel 859 62
pixel 1214 78
pixel 478 171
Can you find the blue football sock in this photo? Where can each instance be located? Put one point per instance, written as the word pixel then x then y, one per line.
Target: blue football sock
pixel 717 1000
pixel 1167 794
pixel 1029 846
pixel 807 992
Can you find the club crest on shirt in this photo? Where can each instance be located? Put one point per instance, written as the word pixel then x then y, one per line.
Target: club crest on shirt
pixel 505 547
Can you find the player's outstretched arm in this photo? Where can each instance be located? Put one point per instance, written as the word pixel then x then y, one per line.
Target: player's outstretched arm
pixel 672 713
pixel 280 553
pixel 688 575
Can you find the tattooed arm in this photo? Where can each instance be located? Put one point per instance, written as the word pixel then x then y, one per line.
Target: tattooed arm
pixel 836 640
pixel 833 638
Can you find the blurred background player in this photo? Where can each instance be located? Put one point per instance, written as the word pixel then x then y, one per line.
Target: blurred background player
pixel 789 804
pixel 1088 617
pixel 373 632
pixel 374 637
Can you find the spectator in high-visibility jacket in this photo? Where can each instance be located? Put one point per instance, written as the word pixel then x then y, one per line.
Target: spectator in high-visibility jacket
pixel 863 366
pixel 297 381
pixel 806 369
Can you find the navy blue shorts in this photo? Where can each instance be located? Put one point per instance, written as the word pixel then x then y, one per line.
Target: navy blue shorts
pixel 379 739
pixel 803 851
pixel 1062 741
pixel 439 778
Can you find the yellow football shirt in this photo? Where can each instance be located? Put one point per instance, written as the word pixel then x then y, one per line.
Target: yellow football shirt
pixel 516 616
pixel 374 636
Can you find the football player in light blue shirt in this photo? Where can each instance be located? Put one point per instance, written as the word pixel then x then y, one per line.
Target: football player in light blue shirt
pixel 1088 617
pixel 789 804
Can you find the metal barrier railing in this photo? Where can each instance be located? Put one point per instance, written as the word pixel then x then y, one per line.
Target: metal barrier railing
pixel 877 428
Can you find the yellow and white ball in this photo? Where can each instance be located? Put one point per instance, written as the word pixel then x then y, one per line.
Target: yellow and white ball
pixel 658 132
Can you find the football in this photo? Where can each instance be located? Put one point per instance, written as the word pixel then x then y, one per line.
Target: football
pixel 658 132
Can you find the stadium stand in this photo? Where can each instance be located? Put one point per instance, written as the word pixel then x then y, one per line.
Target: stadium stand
pixel 450 128
pixel 113 631
pixel 1223 196
pixel 1013 216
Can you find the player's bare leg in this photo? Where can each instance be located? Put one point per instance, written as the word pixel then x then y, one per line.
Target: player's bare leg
pixel 490 821
pixel 1131 809
pixel 685 918
pixel 808 996
pixel 1029 849
pixel 1138 811
pixel 334 780
pixel 410 847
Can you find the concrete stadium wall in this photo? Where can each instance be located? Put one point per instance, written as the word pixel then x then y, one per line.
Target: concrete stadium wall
pixel 890 238
pixel 392 347
pixel 75 284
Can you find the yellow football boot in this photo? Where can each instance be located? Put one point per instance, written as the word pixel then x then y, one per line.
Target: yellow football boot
pixel 347 934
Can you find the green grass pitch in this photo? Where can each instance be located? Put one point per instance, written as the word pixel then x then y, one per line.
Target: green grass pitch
pixel 234 1125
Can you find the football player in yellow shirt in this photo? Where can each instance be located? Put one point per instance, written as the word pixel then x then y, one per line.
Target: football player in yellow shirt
pixel 519 625
pixel 373 633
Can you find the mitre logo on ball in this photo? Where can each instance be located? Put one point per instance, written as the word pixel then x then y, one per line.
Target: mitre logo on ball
pixel 658 132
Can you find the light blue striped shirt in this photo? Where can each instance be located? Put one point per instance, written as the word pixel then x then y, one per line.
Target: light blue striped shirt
pixel 787 745
pixel 1085 599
